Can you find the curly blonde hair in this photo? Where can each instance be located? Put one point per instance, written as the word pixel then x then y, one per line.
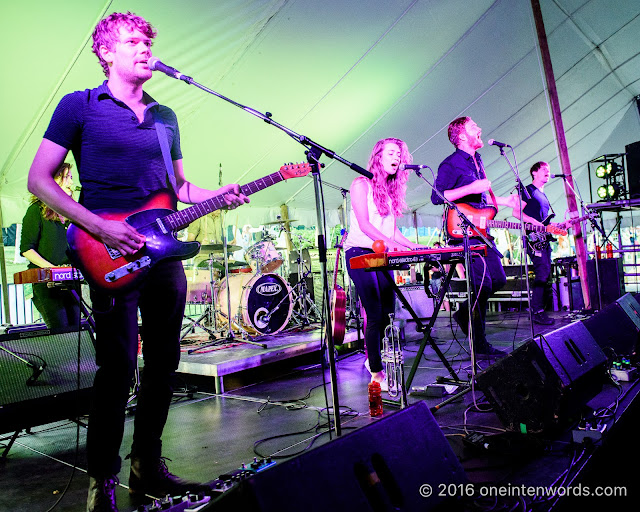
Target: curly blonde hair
pixel 385 185
pixel 107 32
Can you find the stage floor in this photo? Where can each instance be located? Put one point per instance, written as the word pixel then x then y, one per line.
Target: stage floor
pixel 275 404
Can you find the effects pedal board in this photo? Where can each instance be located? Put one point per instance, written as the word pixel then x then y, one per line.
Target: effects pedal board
pixel 196 502
pixel 623 371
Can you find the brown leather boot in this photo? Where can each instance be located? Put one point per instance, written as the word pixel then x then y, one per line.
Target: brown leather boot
pixel 102 494
pixel 151 476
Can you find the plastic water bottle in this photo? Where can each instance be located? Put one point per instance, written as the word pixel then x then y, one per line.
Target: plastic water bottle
pixel 375 399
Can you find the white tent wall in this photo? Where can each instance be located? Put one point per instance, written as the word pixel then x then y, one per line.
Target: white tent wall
pixel 344 74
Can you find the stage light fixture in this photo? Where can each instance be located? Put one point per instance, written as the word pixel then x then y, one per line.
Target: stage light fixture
pixel 601 171
pixel 602 192
pixel 613 191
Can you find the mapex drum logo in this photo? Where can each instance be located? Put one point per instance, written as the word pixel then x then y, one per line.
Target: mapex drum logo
pixel 269 289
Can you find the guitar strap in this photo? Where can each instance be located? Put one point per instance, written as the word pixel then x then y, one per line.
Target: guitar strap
pixel 483 174
pixel 164 146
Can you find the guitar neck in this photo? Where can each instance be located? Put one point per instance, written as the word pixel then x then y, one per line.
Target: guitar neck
pixel 181 219
pixel 514 225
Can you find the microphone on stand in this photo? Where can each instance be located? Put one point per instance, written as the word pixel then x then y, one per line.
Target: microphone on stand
pixel 411 167
pixel 155 64
pixel 493 142
pixel 562 176
pixel 37 371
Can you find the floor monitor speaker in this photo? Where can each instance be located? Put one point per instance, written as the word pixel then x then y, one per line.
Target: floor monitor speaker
pixel 544 383
pixel 391 464
pixel 616 327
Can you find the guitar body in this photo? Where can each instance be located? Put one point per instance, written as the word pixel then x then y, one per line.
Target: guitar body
pixel 338 321
pixel 478 216
pixel 338 299
pixel 539 241
pixel 97 261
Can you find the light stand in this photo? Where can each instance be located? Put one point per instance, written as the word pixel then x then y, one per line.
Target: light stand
pixel 314 152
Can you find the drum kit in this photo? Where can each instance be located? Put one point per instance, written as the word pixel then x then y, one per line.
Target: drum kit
pixel 245 298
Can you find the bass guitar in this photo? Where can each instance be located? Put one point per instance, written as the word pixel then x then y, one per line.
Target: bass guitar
pixel 540 241
pixel 338 299
pixel 482 218
pixel 106 269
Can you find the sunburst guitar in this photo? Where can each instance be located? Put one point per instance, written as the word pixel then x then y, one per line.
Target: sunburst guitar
pixel 108 270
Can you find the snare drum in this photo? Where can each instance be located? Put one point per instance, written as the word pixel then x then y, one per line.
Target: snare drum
pixel 252 297
pixel 263 257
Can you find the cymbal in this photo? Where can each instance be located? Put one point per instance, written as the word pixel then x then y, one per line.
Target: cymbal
pixel 219 248
pixel 217 264
pixel 278 222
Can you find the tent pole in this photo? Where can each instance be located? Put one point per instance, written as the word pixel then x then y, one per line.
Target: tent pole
pixel 581 250
pixel 3 274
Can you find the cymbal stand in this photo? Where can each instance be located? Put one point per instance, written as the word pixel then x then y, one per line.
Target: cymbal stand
pixel 302 299
pixel 231 336
pixel 208 313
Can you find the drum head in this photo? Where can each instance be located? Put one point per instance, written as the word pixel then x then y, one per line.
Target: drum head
pixel 265 293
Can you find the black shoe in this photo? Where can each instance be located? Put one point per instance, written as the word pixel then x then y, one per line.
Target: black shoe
pixel 488 351
pixel 463 321
pixel 541 318
pixel 102 494
pixel 151 476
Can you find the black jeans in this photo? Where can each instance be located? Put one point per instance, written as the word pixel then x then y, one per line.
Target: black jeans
pixel 161 299
pixel 58 307
pixel 378 300
pixel 485 282
pixel 541 261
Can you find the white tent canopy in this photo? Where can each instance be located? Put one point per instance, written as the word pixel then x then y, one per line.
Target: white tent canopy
pixel 344 74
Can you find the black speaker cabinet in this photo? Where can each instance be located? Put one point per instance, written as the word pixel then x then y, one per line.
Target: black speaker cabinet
pixel 41 378
pixel 633 169
pixel 611 277
pixel 383 466
pixel 617 326
pixel 542 384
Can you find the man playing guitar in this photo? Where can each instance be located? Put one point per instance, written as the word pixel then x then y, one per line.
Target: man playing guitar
pixel 461 178
pixel 536 212
pixel 111 132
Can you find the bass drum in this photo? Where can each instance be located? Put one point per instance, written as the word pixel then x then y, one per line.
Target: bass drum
pixel 252 297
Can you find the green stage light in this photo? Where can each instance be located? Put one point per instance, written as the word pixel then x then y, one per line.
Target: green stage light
pixel 601 171
pixel 613 190
pixel 602 192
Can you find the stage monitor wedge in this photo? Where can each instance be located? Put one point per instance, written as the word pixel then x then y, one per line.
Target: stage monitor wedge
pixel 544 384
pixel 388 465
pixel 616 328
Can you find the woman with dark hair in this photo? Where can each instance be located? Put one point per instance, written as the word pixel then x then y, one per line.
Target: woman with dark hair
pixel 375 205
pixel 44 243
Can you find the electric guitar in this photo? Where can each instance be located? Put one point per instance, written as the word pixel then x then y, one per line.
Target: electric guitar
pixel 106 269
pixel 538 241
pixel 338 300
pixel 482 218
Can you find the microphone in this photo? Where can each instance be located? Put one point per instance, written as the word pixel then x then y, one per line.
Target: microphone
pixel 562 176
pixel 155 64
pixel 493 142
pixel 411 167
pixel 36 372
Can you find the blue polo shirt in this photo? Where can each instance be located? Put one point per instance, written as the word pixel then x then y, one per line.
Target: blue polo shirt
pixel 119 159
pixel 456 171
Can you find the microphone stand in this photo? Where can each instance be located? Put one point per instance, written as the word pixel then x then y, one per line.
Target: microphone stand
pixel 36 369
pixel 525 248
pixel 594 227
pixel 466 225
pixel 313 153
